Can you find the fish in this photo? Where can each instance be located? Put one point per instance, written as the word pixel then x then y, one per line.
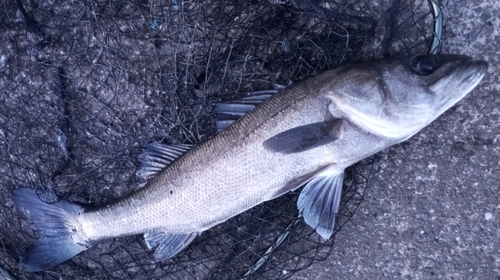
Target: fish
pixel 306 134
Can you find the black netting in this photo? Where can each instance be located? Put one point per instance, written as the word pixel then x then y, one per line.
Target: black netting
pixel 84 84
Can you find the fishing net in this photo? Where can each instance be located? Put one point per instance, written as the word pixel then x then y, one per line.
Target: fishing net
pixel 85 84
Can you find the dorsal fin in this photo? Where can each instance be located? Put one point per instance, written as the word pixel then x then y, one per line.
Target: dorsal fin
pixel 228 112
pixel 156 156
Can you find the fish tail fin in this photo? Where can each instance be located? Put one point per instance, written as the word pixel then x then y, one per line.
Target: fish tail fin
pixel 57 229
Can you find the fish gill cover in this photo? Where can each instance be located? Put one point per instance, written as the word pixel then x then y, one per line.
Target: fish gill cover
pixel 85 84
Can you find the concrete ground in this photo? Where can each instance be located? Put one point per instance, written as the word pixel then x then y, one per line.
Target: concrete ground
pixel 432 210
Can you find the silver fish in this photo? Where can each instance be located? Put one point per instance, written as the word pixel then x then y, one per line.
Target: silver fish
pixel 306 134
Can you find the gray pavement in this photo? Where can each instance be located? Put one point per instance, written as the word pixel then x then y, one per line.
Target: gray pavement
pixel 432 210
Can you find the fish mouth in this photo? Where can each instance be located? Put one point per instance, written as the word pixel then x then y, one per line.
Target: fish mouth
pixel 469 76
pixel 472 74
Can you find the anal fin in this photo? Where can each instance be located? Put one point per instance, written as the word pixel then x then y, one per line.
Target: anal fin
pixel 168 244
pixel 319 201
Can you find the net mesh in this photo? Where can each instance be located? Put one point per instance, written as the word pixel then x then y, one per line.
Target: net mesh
pixel 85 84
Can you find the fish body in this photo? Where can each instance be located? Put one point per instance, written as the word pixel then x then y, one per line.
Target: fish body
pixel 306 134
pixel 234 171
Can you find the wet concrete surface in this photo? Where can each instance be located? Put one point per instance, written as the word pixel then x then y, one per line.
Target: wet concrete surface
pixel 432 210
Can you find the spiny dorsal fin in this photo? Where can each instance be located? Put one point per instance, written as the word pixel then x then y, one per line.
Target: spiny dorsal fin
pixel 228 112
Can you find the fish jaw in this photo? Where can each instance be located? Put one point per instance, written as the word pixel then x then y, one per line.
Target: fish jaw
pixel 471 74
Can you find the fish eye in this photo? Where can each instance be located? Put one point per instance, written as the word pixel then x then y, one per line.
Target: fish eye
pixel 423 64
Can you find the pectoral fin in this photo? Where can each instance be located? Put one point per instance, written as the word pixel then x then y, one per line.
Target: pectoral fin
pixel 167 244
pixel 319 201
pixel 303 138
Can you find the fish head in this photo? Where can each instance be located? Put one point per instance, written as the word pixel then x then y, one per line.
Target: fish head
pixel 395 98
